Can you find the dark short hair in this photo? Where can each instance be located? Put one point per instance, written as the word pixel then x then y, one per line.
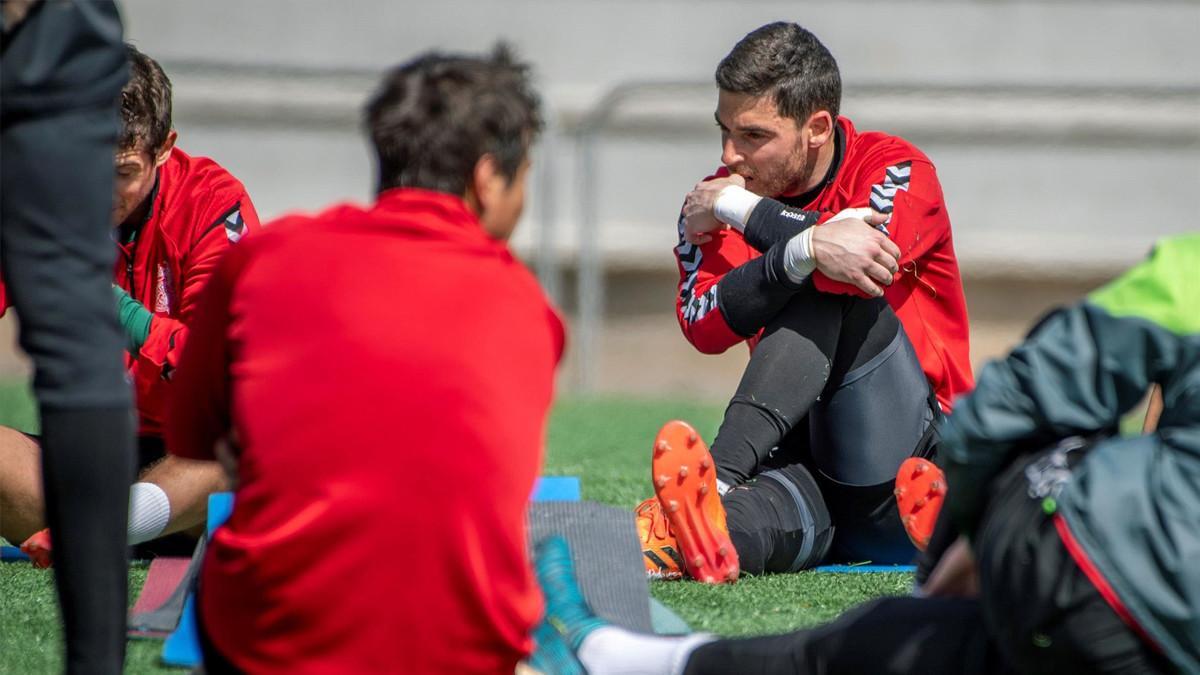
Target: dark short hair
pixel 788 63
pixel 145 104
pixel 433 118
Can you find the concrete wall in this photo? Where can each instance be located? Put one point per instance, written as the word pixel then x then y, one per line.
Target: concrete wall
pixel 1066 133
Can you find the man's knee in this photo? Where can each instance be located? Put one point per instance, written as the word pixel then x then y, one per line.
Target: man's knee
pixel 779 523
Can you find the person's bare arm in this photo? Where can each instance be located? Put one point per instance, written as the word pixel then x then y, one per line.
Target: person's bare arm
pixel 956 575
pixel 1154 409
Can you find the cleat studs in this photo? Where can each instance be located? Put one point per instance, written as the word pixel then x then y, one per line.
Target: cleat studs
pixel 692 438
pixel 920 502
pixel 672 506
pixel 705 464
pixel 698 561
pixel 661 481
pixel 908 520
pixel 683 471
pixel 660 447
pixel 703 489
pixel 921 468
pixel 936 488
pixel 723 551
pixel 899 492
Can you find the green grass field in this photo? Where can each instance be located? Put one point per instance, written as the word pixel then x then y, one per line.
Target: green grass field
pixel 603 441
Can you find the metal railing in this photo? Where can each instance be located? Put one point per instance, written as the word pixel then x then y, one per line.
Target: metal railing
pixel 1146 117
pixel 977 115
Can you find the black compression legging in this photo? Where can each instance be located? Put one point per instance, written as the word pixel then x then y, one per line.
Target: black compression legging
pixel 833 399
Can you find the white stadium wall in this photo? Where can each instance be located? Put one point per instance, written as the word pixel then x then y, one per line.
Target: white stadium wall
pixel 1066 133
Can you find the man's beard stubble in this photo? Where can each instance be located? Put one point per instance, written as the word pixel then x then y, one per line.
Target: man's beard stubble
pixel 787 179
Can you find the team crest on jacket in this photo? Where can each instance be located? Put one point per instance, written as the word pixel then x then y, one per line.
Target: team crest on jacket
pixel 235 227
pixel 162 290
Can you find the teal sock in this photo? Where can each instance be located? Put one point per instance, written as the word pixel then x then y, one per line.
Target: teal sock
pixel 566 609
pixel 551 653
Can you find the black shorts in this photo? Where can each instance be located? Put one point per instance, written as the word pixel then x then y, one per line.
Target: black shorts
pixel 866 519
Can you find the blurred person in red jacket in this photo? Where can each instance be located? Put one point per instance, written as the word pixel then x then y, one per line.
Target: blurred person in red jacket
pixel 827 250
pixel 173 218
pixel 381 375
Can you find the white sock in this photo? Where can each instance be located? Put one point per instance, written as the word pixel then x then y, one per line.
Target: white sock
pixel 723 487
pixel 149 512
pixel 615 651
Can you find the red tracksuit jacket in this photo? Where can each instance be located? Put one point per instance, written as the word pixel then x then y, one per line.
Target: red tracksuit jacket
pixel 199 210
pixel 879 171
pixel 388 371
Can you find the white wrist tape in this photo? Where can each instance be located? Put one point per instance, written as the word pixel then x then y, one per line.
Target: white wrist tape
pixel 149 512
pixel 798 260
pixel 733 206
pixel 861 214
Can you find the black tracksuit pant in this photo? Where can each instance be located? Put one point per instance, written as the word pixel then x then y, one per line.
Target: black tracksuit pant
pixel 61 72
pixel 1036 613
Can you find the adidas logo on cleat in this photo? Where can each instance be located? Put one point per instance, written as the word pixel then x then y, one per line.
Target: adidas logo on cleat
pixel 659 550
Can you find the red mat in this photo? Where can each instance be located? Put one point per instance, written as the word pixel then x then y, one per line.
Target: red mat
pixel 162 579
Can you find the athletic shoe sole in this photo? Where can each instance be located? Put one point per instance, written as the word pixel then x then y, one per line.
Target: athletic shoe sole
pixel 39 549
pixel 685 481
pixel 920 493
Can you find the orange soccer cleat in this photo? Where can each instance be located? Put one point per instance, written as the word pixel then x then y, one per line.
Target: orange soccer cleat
pixel 685 480
pixel 660 552
pixel 920 493
pixel 38 548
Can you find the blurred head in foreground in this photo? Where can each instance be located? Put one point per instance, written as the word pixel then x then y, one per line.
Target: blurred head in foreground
pixel 461 125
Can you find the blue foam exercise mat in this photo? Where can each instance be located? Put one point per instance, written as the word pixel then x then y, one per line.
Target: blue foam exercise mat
pixel 865 569
pixel 556 489
pixel 12 554
pixel 182 647
pixel 220 506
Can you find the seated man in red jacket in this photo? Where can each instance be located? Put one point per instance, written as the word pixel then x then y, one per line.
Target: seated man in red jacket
pixel 857 330
pixel 173 216
pixel 405 427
